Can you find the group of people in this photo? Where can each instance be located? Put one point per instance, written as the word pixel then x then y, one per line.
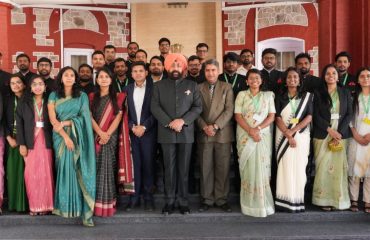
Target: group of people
pixel 75 142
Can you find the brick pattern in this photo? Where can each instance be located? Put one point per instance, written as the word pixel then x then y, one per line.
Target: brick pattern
pixel 314 53
pixel 235 24
pixel 18 16
pixel 41 25
pixel 118 29
pixel 80 19
pixel 279 15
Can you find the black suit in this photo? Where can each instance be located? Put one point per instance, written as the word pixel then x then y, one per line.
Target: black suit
pixel 349 82
pixel 25 117
pixel 120 86
pixel 4 83
pixel 237 81
pixel 311 83
pixel 27 78
pixel 271 81
pixel 322 115
pixel 9 111
pixel 142 148
pixel 176 100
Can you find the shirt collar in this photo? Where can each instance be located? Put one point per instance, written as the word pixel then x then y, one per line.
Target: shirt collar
pixel 144 84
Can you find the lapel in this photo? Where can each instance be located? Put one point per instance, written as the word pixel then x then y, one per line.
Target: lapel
pixel 205 92
pixel 217 95
pixel 148 89
pixel 342 103
pixel 131 103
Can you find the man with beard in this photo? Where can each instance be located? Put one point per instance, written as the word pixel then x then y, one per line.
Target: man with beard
pixel 4 79
pixel 246 58
pixel 270 76
pixel 156 69
pixel 44 66
pixel 85 73
pixel 194 68
pixel 132 48
pixel 120 73
pixel 303 65
pixel 176 104
pixel 110 56
pixel 342 62
pixel 98 62
pixel 23 63
pixel 164 47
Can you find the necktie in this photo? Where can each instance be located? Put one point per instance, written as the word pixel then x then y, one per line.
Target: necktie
pixel 211 90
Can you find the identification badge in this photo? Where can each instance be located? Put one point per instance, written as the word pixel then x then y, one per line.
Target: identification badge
pixel 39 124
pixel 334 116
pixel 366 120
pixel 294 120
pixel 258 118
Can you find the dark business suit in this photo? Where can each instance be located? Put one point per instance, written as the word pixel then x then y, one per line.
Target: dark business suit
pixel 25 117
pixel 271 81
pixel 174 99
pixel 322 115
pixel 4 83
pixel 27 78
pixel 311 83
pixel 143 147
pixel 9 112
pixel 349 82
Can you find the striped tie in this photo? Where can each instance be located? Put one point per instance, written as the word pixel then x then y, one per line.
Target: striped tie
pixel 211 90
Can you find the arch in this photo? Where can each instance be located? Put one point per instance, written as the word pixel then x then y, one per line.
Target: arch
pixel 80 19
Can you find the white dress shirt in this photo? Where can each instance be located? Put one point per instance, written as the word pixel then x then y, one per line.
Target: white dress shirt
pixel 139 95
pixel 243 71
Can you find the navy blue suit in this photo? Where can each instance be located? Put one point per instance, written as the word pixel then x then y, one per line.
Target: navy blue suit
pixel 143 148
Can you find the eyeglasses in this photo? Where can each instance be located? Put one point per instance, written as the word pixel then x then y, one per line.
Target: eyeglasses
pixel 44 65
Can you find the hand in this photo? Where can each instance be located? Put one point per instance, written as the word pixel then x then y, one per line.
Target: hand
pixel 292 142
pixel 69 143
pixel 57 126
pixel 288 133
pixel 208 130
pixel 138 131
pixel 12 142
pixel 360 139
pixel 104 137
pixel 254 132
pixel 256 138
pixel 23 150
pixel 367 137
pixel 177 124
pixel 334 134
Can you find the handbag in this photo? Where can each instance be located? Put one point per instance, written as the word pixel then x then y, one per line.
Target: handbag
pixel 335 146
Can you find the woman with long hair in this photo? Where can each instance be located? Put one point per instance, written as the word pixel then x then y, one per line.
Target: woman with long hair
pixel 107 112
pixel 294 110
pixel 35 144
pixel 359 146
pixel 332 115
pixel 254 113
pixel 73 142
pixel 17 199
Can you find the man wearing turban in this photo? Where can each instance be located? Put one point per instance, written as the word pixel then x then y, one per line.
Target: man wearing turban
pixel 176 104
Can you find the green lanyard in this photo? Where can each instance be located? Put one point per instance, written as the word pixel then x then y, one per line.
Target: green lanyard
pixel 15 121
pixel 345 79
pixel 234 81
pixel 366 106
pixel 334 99
pixel 119 84
pixel 39 111
pixel 256 102
pixel 293 104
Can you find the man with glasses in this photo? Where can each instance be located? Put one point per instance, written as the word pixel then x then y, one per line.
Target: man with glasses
pixel 44 66
pixel 246 59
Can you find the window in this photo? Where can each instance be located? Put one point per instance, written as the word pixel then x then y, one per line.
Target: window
pixel 74 57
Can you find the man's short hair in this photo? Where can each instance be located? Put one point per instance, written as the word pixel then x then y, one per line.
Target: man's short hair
pixel 139 63
pixel 269 50
pixel 211 62
pixel 109 46
pixel 302 55
pixel 21 56
pixel 164 40
pixel 85 65
pixel 158 58
pixel 231 56
pixel 44 59
pixel 246 51
pixel 343 54
pixel 119 60
pixel 193 57
pixel 143 51
pixel 130 43
pixel 97 52
pixel 200 45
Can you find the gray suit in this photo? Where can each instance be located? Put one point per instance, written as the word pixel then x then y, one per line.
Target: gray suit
pixel 214 152
pixel 172 100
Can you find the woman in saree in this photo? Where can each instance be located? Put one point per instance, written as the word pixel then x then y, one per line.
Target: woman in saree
pixel 17 199
pixel 254 113
pixel 294 110
pixel 73 143
pixel 359 146
pixel 35 144
pixel 331 118
pixel 107 111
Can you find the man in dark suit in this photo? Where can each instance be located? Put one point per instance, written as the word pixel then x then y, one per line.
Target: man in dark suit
pixel 44 66
pixel 143 134
pixel 23 63
pixel 120 74
pixel 110 56
pixel 303 64
pixel 270 76
pixel 176 104
pixel 347 80
pixel 4 79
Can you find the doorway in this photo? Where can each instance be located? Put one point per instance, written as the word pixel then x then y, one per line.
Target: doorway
pixel 74 57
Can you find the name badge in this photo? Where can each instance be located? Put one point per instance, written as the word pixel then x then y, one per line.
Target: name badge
pixel 366 120
pixel 334 116
pixel 39 124
pixel 258 118
pixel 294 120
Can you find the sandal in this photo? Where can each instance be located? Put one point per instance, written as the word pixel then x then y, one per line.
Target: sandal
pixel 354 206
pixel 367 208
pixel 33 214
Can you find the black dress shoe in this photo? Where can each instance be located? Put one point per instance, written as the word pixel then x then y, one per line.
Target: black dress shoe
pixel 225 207
pixel 184 210
pixel 204 207
pixel 168 209
pixel 149 206
pixel 131 206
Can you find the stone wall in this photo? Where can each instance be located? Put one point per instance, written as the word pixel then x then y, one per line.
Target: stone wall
pixel 41 25
pixel 80 19
pixel 118 29
pixel 290 14
pixel 18 16
pixel 314 53
pixel 235 25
